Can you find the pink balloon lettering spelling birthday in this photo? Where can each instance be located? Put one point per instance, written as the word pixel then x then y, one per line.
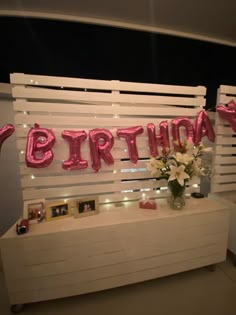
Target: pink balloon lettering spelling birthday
pixel 40 142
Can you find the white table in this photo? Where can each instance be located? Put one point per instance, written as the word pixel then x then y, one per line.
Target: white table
pixel 119 246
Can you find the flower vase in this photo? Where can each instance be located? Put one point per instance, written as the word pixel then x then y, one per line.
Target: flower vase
pixel 176 195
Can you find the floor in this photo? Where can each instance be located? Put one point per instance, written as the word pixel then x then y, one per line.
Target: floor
pixel 196 292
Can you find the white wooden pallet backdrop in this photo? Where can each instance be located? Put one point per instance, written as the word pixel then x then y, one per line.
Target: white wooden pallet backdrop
pixel 224 180
pixel 81 104
pixel 223 185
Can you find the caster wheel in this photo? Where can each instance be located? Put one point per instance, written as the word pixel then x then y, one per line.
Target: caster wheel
pixel 211 268
pixel 17 308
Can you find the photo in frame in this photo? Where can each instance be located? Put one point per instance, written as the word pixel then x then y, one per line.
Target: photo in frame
pixel 58 210
pixel 34 210
pixel 86 207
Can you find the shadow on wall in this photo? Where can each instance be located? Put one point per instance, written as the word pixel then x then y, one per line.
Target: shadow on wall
pixel 10 188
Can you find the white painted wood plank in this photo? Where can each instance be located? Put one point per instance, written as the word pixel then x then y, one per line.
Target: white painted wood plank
pixel 98 109
pixel 56 167
pixel 225 140
pixel 80 122
pixel 222 187
pixel 224 178
pixel 46 94
pixel 121 197
pixel 221 150
pixel 227 169
pixel 223 130
pixel 27 181
pixel 227 89
pixel 224 99
pixel 84 190
pixel 224 160
pixel 28 79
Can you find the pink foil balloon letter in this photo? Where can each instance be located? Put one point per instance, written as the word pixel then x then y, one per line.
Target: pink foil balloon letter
pixel 203 128
pixel 5 132
pixel 75 161
pixel 228 113
pixel 39 147
pixel 175 125
pixel 130 135
pixel 158 140
pixel 101 142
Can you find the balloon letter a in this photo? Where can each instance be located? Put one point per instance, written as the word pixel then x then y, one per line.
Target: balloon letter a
pixel 203 128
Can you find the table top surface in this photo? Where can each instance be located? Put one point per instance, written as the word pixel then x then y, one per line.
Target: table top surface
pixel 111 214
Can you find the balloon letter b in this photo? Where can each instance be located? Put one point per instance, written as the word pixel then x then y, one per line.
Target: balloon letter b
pixel 39 144
pixel 74 138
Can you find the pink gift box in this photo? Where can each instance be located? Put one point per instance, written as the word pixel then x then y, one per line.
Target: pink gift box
pixel 147 204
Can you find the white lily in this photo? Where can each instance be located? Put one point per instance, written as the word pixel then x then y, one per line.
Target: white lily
pixel 177 173
pixel 154 166
pixel 183 158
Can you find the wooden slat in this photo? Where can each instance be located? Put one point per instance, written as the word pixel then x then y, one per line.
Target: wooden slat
pixel 227 89
pixel 225 150
pixel 75 179
pixel 223 99
pixel 93 122
pixel 223 130
pixel 225 140
pixel 46 94
pixel 223 187
pixel 56 168
pixel 68 191
pixel 86 190
pixel 224 178
pixel 97 109
pixel 224 160
pixel 227 169
pixel 19 78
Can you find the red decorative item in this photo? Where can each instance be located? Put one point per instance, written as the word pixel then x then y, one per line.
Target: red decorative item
pixel 101 142
pixel 162 139
pixel 146 203
pixel 5 132
pixel 130 135
pixel 203 128
pixel 39 147
pixel 228 113
pixel 175 126
pixel 75 161
pixel 23 227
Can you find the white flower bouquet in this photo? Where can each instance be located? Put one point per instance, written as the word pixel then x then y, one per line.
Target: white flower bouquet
pixel 179 167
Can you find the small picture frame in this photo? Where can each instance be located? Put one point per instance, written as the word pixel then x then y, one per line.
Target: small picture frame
pixel 34 210
pixel 86 207
pixel 58 210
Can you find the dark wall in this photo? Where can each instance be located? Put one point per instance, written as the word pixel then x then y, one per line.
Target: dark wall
pixel 59 48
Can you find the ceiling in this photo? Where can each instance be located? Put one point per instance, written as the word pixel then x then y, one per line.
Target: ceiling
pixel 210 20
